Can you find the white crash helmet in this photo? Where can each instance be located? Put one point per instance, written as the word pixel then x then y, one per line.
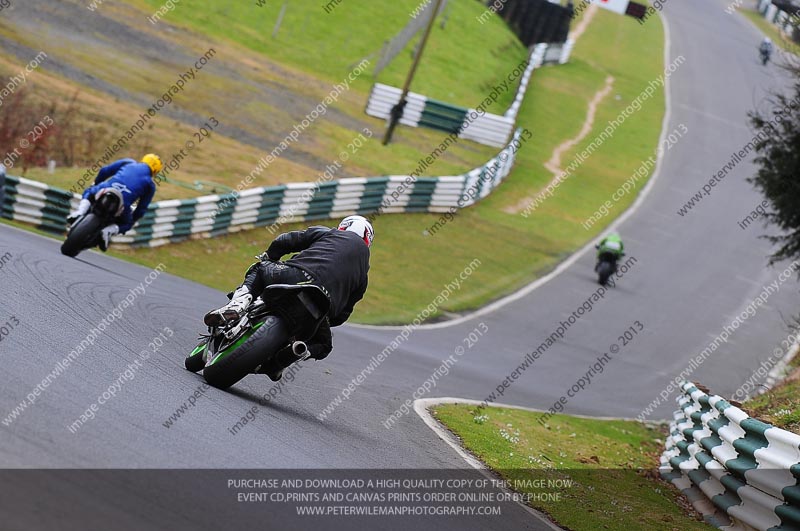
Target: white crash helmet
pixel 361 226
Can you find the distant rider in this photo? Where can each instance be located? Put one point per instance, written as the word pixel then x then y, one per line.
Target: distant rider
pixel 766 49
pixel 134 181
pixel 612 243
pixel 335 259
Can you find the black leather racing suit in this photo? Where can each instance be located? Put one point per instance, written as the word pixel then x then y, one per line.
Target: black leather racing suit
pixel 336 260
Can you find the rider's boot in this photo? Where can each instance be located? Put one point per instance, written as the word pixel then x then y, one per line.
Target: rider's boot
pixel 106 234
pixel 83 208
pixel 232 311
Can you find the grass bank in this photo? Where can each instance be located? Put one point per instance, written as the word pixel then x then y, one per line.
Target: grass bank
pixel 409 268
pixel 257 87
pixel 608 465
pixel 780 406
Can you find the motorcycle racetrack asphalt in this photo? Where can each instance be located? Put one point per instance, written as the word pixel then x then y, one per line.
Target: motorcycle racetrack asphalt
pixel 692 275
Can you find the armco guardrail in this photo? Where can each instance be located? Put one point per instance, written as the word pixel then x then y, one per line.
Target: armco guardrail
pixel 214 215
pixel 748 469
pixel 36 203
pixel 774 15
pixel 488 129
pixel 536 59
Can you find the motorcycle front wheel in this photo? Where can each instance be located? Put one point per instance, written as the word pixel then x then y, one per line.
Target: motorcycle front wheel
pixel 82 235
pixel 194 362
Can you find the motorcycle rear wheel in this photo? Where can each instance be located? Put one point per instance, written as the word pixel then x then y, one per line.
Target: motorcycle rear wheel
pixel 247 354
pixel 604 271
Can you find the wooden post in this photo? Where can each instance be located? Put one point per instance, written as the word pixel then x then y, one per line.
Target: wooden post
pixel 397 110
pixel 280 19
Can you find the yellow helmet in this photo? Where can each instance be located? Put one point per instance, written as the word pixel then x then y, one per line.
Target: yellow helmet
pixel 154 162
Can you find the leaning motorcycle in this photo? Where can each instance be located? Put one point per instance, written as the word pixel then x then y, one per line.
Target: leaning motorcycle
pixel 284 316
pixel 85 232
pixel 764 57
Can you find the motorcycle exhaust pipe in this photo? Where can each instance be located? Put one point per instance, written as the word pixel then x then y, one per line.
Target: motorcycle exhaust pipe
pixel 300 349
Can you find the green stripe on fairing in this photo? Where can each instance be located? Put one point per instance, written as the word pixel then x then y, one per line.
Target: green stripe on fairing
pixel 236 345
pixel 198 349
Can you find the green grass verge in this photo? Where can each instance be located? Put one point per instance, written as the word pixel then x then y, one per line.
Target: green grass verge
pixel 463 58
pixel 611 463
pixel 409 269
pixel 263 87
pixel 780 406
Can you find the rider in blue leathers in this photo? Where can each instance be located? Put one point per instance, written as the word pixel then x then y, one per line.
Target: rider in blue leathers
pixel 134 181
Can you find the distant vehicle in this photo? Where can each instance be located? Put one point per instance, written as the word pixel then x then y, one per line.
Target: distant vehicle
pixel 765 49
pixel 609 250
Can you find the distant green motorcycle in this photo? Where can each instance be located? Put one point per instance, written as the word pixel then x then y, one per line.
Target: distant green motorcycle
pixel 284 316
pixel 609 251
pixel 606 266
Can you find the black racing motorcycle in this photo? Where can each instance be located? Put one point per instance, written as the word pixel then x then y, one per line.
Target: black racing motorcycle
pixel 85 232
pixel 606 266
pixel 765 56
pixel 284 316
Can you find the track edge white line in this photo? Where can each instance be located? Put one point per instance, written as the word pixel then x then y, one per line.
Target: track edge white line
pixel 421 406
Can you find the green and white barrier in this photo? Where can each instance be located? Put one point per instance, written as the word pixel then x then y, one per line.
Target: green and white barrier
pixel 271 206
pixel 484 128
pixel 747 469
pixel 536 59
pixel 36 203
pixel 777 17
